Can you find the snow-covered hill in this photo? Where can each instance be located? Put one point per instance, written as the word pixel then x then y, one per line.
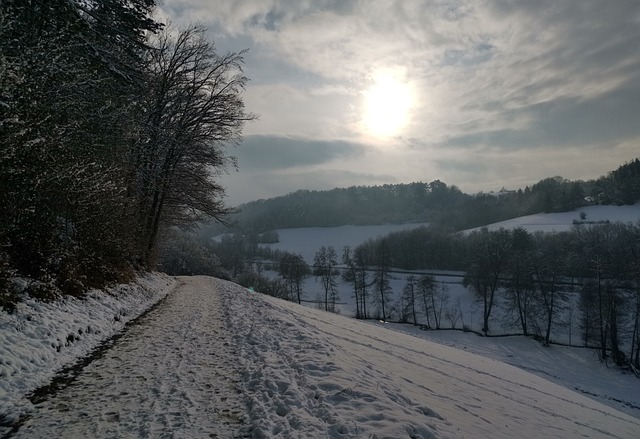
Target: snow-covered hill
pixel 304 373
pixel 331 376
pixel 558 222
pixel 311 373
pixel 587 375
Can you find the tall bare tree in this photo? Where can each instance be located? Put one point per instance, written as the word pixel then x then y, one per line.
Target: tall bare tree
pixel 324 268
pixel 489 253
pixel 351 275
pixel 519 278
pixel 192 109
pixel 549 266
pixel 410 295
pixel 293 270
pixel 382 277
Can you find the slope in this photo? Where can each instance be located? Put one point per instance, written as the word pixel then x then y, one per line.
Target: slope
pixel 216 360
pixel 334 376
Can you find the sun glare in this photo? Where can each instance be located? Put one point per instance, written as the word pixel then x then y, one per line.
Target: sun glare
pixel 386 105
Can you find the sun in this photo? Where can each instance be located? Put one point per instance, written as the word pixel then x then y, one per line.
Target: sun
pixel 387 104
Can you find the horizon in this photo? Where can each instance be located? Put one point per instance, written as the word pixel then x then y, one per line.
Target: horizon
pixel 492 191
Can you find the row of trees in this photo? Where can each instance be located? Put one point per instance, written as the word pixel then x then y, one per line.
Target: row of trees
pixel 435 202
pixel 389 203
pixel 370 285
pixel 533 275
pixel 112 129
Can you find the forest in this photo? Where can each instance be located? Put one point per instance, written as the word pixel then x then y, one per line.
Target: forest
pixel 113 129
pixel 436 203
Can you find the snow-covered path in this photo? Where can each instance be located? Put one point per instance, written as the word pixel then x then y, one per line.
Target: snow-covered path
pixel 170 375
pixel 215 360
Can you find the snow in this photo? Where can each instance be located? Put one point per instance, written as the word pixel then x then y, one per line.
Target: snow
pixel 41 338
pixel 215 360
pixel 588 375
pixel 574 368
pixel 305 241
pixel 558 222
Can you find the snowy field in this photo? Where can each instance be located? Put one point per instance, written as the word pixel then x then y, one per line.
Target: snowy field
pixel 306 241
pixel 558 222
pixel 214 360
pixel 574 368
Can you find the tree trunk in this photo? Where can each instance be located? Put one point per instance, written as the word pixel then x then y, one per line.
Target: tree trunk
pixel 413 306
pixel 635 339
pixel 547 337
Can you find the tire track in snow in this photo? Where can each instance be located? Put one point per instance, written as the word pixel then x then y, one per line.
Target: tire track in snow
pixel 173 375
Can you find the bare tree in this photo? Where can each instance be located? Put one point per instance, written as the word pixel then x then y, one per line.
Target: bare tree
pixel 352 275
pixel 293 270
pixel 606 251
pixel 324 265
pixel 191 110
pixel 426 291
pixel 548 266
pixel 410 295
pixel 519 279
pixel 633 241
pixel 440 299
pixel 381 277
pixel 489 253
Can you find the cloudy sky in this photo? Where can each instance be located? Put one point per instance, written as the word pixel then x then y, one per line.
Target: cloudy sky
pixel 480 94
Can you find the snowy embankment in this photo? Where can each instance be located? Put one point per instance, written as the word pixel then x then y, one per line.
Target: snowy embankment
pixel 39 339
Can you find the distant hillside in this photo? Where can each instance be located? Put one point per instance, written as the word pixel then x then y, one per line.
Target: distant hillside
pixel 435 202
pixel 387 204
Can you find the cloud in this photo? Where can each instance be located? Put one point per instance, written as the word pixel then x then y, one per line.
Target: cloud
pixel 301 108
pixel 472 60
pixel 268 153
pixel 570 122
pixel 507 91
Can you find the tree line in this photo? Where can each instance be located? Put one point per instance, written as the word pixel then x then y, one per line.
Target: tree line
pixel 435 202
pixel 113 129
pixel 533 277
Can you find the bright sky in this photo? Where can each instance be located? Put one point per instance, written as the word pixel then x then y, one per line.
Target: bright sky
pixel 480 94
